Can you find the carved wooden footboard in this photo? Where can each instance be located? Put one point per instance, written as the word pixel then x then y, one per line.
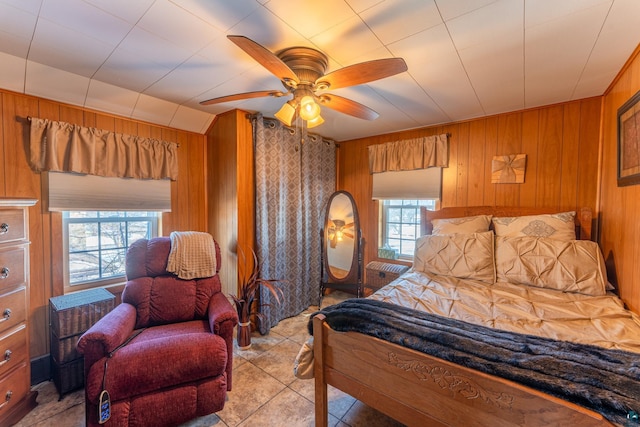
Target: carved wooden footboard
pixel 419 390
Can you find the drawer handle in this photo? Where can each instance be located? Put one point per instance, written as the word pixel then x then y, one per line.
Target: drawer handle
pixel 6 399
pixel 7 357
pixel 6 315
pixel 4 228
pixel 4 272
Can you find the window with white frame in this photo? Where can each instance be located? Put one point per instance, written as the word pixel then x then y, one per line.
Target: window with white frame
pixel 400 224
pixel 96 242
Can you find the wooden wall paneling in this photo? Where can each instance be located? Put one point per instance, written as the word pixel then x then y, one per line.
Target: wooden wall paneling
pixel 245 177
pixel 589 150
pixel 197 195
pixel 462 169
pixel 183 222
pixel 477 166
pixel 491 144
pixel 450 174
pixel 530 141
pixel 570 156
pixel 549 156
pixel 509 141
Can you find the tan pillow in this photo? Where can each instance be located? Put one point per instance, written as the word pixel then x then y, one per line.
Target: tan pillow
pixel 560 226
pixel 572 266
pixel 466 256
pixel 465 225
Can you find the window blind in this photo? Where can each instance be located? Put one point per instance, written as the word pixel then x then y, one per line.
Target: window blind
pixel 412 184
pixel 75 192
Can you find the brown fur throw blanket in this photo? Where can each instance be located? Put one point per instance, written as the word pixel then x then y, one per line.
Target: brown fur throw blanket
pixel 606 381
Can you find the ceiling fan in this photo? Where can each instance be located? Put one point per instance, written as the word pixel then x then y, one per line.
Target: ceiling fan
pixel 337 231
pixel 302 72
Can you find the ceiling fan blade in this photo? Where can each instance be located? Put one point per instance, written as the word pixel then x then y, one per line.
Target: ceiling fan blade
pixel 363 72
pixel 347 234
pixel 266 58
pixel 246 95
pixel 348 106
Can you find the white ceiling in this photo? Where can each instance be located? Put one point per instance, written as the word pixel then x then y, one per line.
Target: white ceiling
pixel 155 60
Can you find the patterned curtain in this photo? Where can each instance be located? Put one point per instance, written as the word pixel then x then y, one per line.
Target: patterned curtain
pixel 295 175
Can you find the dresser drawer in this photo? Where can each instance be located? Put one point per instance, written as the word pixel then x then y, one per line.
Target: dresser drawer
pixel 13 349
pixel 13 387
pixel 12 226
pixel 13 308
pixel 13 266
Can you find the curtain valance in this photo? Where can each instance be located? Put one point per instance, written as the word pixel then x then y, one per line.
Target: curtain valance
pixel 409 154
pixel 63 147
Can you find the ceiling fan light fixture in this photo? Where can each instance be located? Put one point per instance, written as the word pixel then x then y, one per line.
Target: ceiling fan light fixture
pixel 315 122
pixel 309 110
pixel 286 113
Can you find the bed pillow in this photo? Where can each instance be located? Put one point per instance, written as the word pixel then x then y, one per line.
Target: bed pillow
pixel 464 225
pixel 572 266
pixel 465 256
pixel 560 226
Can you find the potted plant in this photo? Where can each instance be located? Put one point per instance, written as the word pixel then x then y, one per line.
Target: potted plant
pixel 249 284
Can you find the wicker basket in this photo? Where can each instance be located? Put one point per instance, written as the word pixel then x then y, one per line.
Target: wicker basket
pixel 382 273
pixel 68 376
pixel 70 316
pixel 74 313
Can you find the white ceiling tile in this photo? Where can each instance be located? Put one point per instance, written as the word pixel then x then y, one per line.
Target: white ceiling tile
pixel 544 11
pixel 16 21
pixel 130 11
pixel 52 83
pixel 154 110
pixel 361 5
pixel 403 92
pixel 112 99
pixel 31 6
pixel 434 64
pixel 222 15
pixel 308 17
pixel 12 69
pixel 190 120
pixel 347 41
pixel 170 22
pixel 86 19
pixel 14 45
pixel 130 71
pixel 557 52
pixel 617 39
pixel 450 9
pixel 66 49
pixel 149 46
pixel 498 23
pixel 390 21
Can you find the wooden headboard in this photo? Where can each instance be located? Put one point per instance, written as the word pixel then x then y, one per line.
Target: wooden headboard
pixel 584 216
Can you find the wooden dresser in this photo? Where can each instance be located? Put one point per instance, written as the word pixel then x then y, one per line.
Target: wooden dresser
pixel 16 397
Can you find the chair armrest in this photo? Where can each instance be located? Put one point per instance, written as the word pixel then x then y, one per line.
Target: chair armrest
pixel 220 312
pixel 107 333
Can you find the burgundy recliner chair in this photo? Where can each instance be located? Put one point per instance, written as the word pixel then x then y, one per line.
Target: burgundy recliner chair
pixel 179 367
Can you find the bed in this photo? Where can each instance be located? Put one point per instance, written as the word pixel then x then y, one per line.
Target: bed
pixel 421 389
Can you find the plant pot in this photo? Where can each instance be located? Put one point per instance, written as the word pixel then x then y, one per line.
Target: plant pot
pixel 244 335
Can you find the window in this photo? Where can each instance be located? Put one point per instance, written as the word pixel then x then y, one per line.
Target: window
pixel 95 244
pixel 400 225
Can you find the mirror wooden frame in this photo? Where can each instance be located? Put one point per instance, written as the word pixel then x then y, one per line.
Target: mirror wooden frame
pixel 351 280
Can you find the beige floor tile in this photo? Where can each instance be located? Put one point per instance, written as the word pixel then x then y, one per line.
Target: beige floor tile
pixel 278 361
pixel 287 409
pixel 339 401
pixel 49 406
pixel 252 388
pixel 361 415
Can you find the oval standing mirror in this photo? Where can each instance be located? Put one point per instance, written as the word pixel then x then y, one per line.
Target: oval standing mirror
pixel 341 240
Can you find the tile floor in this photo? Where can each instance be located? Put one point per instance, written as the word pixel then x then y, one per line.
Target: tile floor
pixel 265 391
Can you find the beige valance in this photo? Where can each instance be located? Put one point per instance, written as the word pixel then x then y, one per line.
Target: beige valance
pixel 409 154
pixel 64 147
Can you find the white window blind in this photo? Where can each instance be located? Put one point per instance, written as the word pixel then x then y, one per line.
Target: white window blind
pixel 74 192
pixel 412 184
